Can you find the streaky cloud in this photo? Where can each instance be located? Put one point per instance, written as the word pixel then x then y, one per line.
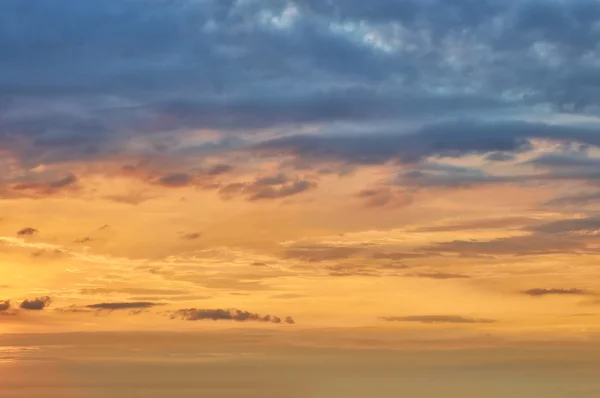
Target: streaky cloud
pixel 436 319
pixel 195 314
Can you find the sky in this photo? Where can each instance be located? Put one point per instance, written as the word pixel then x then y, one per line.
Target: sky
pixel 341 178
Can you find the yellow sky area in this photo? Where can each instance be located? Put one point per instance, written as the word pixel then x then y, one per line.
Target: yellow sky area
pixel 321 257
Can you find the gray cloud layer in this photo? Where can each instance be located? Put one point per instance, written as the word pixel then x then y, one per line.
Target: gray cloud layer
pixel 149 72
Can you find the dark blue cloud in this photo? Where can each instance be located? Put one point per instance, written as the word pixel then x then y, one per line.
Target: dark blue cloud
pixel 89 81
pixel 450 139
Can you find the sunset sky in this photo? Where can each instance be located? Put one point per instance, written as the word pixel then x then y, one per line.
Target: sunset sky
pixel 327 174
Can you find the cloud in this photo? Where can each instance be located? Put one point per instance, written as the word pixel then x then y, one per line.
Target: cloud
pixel 431 174
pixel 73 309
pixel 46 188
pixel 351 270
pixel 123 82
pixel 317 253
pixel 396 256
pixel 287 296
pixel 439 275
pixel 36 304
pixel 270 187
pixel 194 314
pixel 564 160
pixel 573 235
pixel 444 139
pixel 436 319
pixel 372 84
pixel 191 236
pixel 133 198
pixel 539 292
pixel 27 231
pixel 385 197
pixel 131 290
pixel 535 244
pixel 484 223
pixel 44 252
pixel 219 169
pixel 176 180
pixel 576 200
pixel 122 306
pixel 500 157
pixel 587 225
pixel 6 308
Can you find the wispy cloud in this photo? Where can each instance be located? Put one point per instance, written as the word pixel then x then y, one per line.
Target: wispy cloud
pixel 436 319
pixel 538 292
pixel 195 314
pixel 439 275
pixel 122 306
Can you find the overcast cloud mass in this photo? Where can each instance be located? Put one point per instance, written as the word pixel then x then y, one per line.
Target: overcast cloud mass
pixel 429 168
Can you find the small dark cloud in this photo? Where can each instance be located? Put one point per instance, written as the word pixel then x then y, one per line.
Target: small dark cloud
pixel 123 306
pixel 85 239
pixel 195 314
pixel 219 169
pixel 47 253
pixel 436 319
pixel 176 180
pixel 191 236
pixel 4 306
pixel 538 292
pixel 439 275
pixel 36 304
pixel 27 231
pixel 133 199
